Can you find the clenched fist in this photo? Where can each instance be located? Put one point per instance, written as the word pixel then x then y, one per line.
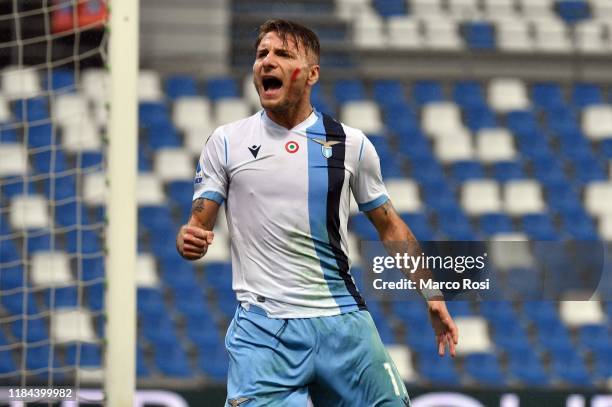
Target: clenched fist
pixel 192 242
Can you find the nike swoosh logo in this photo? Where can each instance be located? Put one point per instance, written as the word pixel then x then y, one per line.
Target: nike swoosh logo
pixel 325 143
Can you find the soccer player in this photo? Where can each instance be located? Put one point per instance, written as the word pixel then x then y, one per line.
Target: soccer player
pixel 285 175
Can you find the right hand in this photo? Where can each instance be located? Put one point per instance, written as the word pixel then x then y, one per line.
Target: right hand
pixel 192 242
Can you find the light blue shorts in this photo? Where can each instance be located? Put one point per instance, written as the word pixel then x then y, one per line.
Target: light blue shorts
pixel 337 360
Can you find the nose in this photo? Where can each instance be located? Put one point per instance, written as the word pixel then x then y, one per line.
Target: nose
pixel 269 62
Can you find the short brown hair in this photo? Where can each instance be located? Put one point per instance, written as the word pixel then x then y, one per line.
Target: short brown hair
pixel 296 31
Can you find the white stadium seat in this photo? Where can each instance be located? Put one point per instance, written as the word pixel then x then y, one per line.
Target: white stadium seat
pixel 442 34
pixel 537 8
pixel 499 7
pixel 441 118
pixel 173 164
pixel 404 32
pixel 402 358
pixel 191 111
pixel 493 145
pixel 69 107
pixel 5 110
pixel 94 189
pixel 605 227
pixel 426 7
pixel 523 197
pixel 149 86
pixel 250 93
pixel 508 251
pixel 481 196
pixel 506 95
pixel 368 31
pixel 29 212
pixel 404 194
pixel 464 9
pixel 364 115
pixel 51 269
pixel 13 159
pixel 514 35
pixel 474 335
pixel 218 251
pixel 70 325
pixel 578 313
pixel 229 110
pixel 351 9
pixel 455 147
pixel 81 135
pixel 590 37
pixel 146 271
pixel 598 198
pixel 149 190
pixel 551 35
pixel 601 9
pixel 195 137
pixel 354 248
pixel 20 83
pixel 597 122
pixel 96 84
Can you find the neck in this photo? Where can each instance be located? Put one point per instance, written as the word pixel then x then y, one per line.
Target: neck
pixel 291 117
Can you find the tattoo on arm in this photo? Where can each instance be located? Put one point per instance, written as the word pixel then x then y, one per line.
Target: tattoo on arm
pixel 198 205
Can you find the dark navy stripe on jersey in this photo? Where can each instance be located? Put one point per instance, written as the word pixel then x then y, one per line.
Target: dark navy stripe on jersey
pixel 335 183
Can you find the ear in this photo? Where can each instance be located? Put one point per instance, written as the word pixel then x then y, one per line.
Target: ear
pixel 313 74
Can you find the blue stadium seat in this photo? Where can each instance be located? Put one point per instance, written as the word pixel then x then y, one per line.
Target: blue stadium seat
pixel 92 268
pixel 522 122
pixel 419 225
pixel 388 93
pixel 62 297
pixel 151 114
pixel 320 101
pixel 62 80
pixel 587 169
pixel 155 218
pixel 389 8
pixel 13 303
pixel 202 331
pixel 38 358
pixel 585 94
pixel 46 161
pixel 427 91
pixel 466 170
pixel 530 373
pixel 498 312
pixel 16 186
pixel 41 135
pixel 35 330
pixel 479 35
pixel 177 274
pixel 469 94
pixel 484 368
pixel 11 277
pixel 505 171
pixel 539 227
pixel 214 363
pixel 159 330
pixel 172 361
pixel 85 354
pixel 573 11
pixel 348 90
pixel 426 171
pixel 605 148
pixel 71 213
pixel 142 370
pixel 60 187
pixel 144 161
pixel 362 227
pixel 493 223
pixel 31 110
pixel 596 338
pixel 437 370
pixel 572 370
pixel 541 312
pixel 219 88
pixel 524 284
pixel 191 302
pixel 456 226
pixel 163 135
pixel 7 134
pixel 150 302
pixel 180 85
pixel 7 361
pixel 95 296
pixel 579 225
pixel 547 95
pixel 83 241
pixel 479 117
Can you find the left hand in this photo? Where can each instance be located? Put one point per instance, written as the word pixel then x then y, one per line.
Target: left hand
pixel 444 327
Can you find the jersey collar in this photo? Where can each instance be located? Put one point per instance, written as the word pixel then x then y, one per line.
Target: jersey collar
pixel 309 121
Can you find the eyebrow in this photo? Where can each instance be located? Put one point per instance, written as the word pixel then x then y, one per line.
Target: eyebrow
pixel 277 50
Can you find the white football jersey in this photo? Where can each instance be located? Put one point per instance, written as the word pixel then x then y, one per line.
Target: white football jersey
pixel 286 195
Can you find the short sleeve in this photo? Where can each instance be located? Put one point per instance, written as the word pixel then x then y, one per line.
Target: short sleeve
pixel 211 180
pixel 367 184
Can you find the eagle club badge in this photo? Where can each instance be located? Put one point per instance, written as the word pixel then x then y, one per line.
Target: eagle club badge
pixel 326 146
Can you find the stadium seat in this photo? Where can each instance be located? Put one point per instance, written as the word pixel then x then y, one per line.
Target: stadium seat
pixel 590 37
pixel 80 136
pixel 368 31
pixel 364 115
pixel 149 86
pixel 149 190
pixel 249 93
pixel 601 9
pixel 513 35
pixel 578 313
pixel 70 325
pixel 151 114
pixel 480 197
pixel 484 368
pixel 146 271
pixel 404 32
pixel 492 223
pixel 13 159
pixel 221 88
pixel 96 85
pixel 50 269
pixel 29 212
pixel 191 112
pixel 441 118
pixel 475 336
pixel 20 83
pixel 597 122
pixel 390 8
pixel 499 7
pixel 513 255
pixel 506 95
pixel 68 107
pixel 467 170
pixel 425 7
pixel 537 8
pixel 504 171
pixel 348 90
pixel 573 11
pixel 427 91
pixel 173 165
pixel 494 145
pixel 172 361
pixel 605 227
pixel 438 371
pixel 597 198
pixel 523 197
pixel 586 94
pixel 229 110
pixel 450 147
pixel 551 35
pixel 464 9
pixel 442 34
pixel 405 195
pixel 479 35
pixel 180 85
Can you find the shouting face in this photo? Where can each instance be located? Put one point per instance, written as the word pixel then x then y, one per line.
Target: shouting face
pixel 283 74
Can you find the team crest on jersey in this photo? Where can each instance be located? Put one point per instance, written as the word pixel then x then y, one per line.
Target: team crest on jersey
pixel 292 147
pixel 326 147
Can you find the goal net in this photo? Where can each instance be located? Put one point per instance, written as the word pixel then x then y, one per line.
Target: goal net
pixel 54 125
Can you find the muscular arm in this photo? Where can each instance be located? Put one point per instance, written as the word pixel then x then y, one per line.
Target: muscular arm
pixel 398 238
pixel 193 239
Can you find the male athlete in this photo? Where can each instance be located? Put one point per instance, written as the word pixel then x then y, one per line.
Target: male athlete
pixel 285 175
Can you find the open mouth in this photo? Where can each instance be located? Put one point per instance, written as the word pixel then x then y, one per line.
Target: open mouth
pixel 271 83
